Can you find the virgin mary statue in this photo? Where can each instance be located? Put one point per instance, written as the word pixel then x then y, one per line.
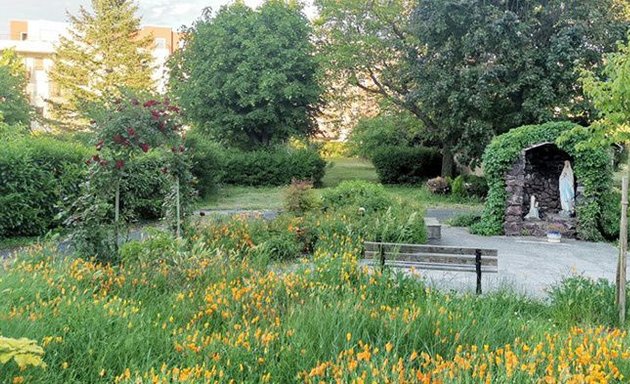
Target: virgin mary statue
pixel 567 190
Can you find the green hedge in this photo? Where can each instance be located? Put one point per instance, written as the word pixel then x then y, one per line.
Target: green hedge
pixel 272 167
pixel 213 164
pixel 41 176
pixel 406 165
pixel 469 186
pixel 36 175
pixel 207 159
pixel 592 166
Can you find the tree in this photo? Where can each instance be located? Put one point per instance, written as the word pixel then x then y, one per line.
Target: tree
pixel 14 106
pixel 248 77
pixel 102 54
pixel 611 94
pixel 470 69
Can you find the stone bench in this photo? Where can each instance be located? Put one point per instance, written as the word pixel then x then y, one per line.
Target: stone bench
pixel 434 228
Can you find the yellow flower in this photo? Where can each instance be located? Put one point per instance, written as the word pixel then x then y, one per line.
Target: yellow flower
pixel 64 365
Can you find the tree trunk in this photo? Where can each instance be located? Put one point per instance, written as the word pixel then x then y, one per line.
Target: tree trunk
pixel 448 162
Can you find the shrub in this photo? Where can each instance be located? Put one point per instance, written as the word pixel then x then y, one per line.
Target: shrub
pixel 469 186
pixel 357 193
pixel 391 128
pixel 272 167
pixel 280 246
pixel 439 185
pixel 610 212
pixel 464 220
pixel 37 174
pixel 300 197
pixel 578 299
pixel 401 165
pixel 144 186
pixel 333 149
pixel 207 162
pixel 397 226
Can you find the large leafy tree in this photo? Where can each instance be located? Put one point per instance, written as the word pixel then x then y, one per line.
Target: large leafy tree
pixel 102 55
pixel 469 69
pixel 248 77
pixel 14 105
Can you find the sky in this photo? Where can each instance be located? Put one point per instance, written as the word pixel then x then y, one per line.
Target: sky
pixel 173 13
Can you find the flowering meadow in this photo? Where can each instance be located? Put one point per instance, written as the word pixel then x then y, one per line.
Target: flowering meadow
pixel 202 313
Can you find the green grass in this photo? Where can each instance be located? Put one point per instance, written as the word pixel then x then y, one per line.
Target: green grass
pixel 246 198
pixel 340 169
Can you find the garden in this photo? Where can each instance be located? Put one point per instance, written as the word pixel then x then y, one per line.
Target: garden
pixel 215 232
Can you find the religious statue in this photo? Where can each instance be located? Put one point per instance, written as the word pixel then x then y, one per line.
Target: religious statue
pixel 567 190
pixel 533 209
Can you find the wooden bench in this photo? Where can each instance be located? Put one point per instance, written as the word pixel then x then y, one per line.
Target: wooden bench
pixel 431 257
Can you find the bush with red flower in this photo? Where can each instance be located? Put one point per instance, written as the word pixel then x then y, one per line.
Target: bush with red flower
pixel 125 130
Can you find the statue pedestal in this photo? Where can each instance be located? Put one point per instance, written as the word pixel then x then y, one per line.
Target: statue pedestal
pixel 539 228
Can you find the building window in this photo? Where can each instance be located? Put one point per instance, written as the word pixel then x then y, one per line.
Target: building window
pixel 160 42
pixel 23 36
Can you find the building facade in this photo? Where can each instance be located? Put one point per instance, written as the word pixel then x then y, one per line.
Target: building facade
pixel 35 41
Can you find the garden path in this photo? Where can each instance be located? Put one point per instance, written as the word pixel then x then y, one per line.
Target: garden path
pixel 528 265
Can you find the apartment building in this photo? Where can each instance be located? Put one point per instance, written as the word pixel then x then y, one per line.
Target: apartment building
pixel 35 40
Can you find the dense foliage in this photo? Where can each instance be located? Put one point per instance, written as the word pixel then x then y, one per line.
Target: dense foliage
pixel 357 193
pixel 103 53
pixel 274 166
pixel 610 93
pixel 469 186
pixel 247 77
pixel 406 165
pixel 41 176
pixel 37 175
pixel 390 129
pixel 592 166
pixel 14 106
pixel 207 162
pixel 471 69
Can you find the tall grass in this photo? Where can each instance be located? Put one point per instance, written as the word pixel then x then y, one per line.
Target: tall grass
pixel 194 313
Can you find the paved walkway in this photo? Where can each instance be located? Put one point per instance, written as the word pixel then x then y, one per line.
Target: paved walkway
pixel 527 264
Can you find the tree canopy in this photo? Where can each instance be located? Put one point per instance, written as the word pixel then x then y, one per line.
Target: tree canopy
pixel 471 69
pixel 248 77
pixel 14 105
pixel 610 93
pixel 103 54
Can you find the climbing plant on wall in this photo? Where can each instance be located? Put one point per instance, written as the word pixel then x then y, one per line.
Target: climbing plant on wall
pixel 592 166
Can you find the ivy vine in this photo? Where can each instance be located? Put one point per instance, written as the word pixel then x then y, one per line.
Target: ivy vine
pixel 592 166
